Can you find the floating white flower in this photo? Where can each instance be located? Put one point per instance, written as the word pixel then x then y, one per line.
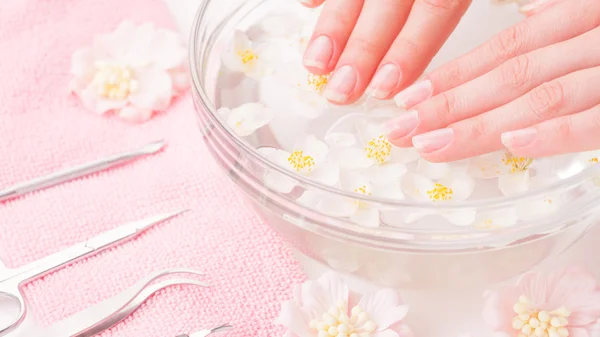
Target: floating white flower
pixel 247 118
pixel 513 172
pixel 379 160
pixel 360 212
pixel 291 88
pixel 589 158
pixel 324 308
pixel 496 219
pixel 309 158
pixel 132 71
pixel 243 57
pixel 453 188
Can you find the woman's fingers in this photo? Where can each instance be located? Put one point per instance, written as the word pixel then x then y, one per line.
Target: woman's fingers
pixel 498 87
pixel 429 25
pixel 482 134
pixel 333 29
pixel 564 20
pixel 572 133
pixel 311 3
pixel 378 25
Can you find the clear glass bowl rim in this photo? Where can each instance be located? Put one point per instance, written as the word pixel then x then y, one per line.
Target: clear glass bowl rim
pixel 587 173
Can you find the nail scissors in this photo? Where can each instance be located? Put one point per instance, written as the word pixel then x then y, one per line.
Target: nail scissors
pixel 79 171
pixel 11 280
pixel 106 314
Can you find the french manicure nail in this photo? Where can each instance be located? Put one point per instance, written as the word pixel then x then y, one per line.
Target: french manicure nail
pixel 434 140
pixel 403 125
pixel 341 84
pixel 414 94
pixel 319 52
pixel 384 82
pixel 518 138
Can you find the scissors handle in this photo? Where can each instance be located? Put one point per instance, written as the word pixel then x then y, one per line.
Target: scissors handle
pixel 11 297
pixel 78 171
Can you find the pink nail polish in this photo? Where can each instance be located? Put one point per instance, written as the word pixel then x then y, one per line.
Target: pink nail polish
pixel 385 81
pixel 518 138
pixel 319 52
pixel 434 140
pixel 414 94
pixel 341 84
pixel 403 125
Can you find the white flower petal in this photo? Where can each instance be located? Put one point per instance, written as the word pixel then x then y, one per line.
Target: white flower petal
pixel 308 104
pixel 496 219
pixel 133 114
pixel 404 155
pixel 462 185
pixel 352 158
pixel 155 90
pixel 326 173
pixel 247 118
pixel 487 166
pixel 384 307
pixel 231 61
pixel 92 101
pixel 340 139
pixel 279 182
pixel 275 95
pixel 366 217
pixel 82 62
pixel 333 291
pixel 312 147
pixel 514 183
pixel 542 207
pixel 386 173
pixel 389 190
pixel 433 171
pixel 413 217
pixel 310 199
pixel 337 206
pixel 460 218
pixel 292 317
pixel 351 180
pixel 168 51
pixel 241 41
pixel 416 186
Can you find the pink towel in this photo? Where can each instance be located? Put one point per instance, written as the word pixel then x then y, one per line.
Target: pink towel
pixel 43 128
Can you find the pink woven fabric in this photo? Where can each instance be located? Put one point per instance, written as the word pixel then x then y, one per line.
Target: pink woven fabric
pixel 42 128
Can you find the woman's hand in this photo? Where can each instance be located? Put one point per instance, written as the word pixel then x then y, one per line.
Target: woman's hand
pixel 534 89
pixel 382 45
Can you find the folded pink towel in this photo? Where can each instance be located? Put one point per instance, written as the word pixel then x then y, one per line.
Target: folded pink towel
pixel 43 128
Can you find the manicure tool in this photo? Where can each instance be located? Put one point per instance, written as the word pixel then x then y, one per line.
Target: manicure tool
pixel 79 171
pixel 105 315
pixel 206 332
pixel 12 279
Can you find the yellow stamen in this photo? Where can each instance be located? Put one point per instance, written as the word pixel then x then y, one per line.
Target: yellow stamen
pixel 594 160
pixel 300 162
pixel 362 190
pixel 516 164
pixel 532 322
pixel 440 193
pixel 114 81
pixel 379 148
pixel 247 56
pixel 318 82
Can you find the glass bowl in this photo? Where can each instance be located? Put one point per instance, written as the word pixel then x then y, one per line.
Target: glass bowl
pixel 409 257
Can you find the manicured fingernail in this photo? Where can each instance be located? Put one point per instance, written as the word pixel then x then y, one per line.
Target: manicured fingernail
pixel 403 125
pixel 384 82
pixel 433 141
pixel 341 84
pixel 414 94
pixel 518 138
pixel 533 5
pixel 319 52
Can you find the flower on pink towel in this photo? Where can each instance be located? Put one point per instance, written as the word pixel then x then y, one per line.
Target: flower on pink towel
pixel 559 304
pixel 132 71
pixel 326 307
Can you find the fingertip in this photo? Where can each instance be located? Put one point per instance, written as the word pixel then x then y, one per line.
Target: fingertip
pixel 318 55
pixel 311 3
pixel 519 139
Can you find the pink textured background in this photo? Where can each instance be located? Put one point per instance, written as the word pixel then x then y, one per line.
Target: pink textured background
pixel 42 129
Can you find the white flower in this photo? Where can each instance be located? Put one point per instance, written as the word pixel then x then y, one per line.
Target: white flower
pixel 324 308
pixel 132 71
pixel 241 56
pixel 246 118
pixel 380 161
pixel 496 219
pixel 453 188
pixel 589 158
pixel 292 89
pixel 513 172
pixel 309 158
pixel 360 212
